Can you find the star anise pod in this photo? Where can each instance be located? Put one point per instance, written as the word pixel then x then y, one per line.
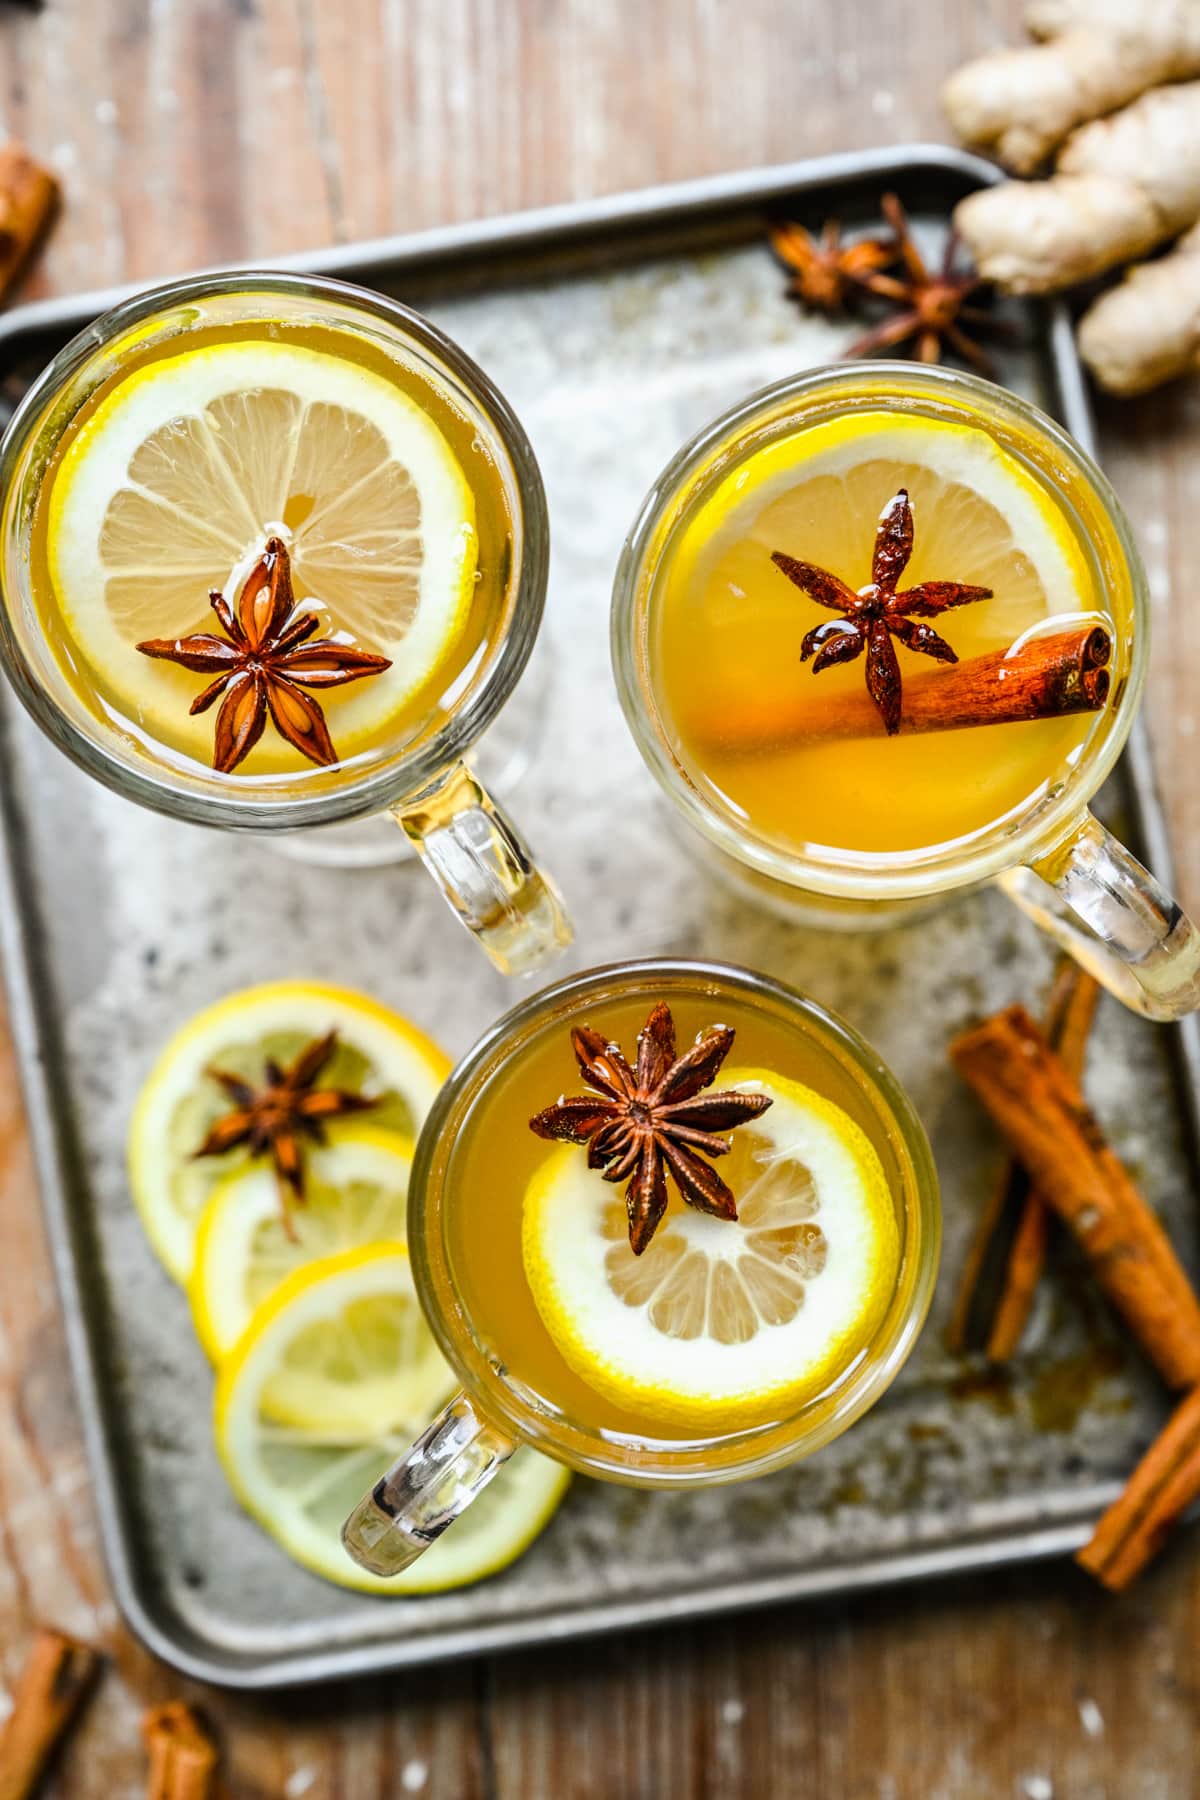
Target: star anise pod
pixel 933 305
pixel 272 1119
pixel 645 1122
pixel 825 270
pixel 877 613
pixel 264 663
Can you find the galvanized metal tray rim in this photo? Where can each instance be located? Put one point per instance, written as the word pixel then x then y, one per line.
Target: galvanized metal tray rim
pixel 34 1028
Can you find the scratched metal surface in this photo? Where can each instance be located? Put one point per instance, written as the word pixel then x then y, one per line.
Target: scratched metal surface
pixel 119 924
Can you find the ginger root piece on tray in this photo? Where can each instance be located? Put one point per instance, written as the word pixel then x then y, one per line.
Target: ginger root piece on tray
pixel 1123 186
pixel 1098 54
pixel 1147 329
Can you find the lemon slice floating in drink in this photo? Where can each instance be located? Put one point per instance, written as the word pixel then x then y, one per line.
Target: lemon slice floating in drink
pixel 378 1053
pixel 301 1479
pixel 176 479
pixel 355 1193
pixel 720 1324
pixel 984 519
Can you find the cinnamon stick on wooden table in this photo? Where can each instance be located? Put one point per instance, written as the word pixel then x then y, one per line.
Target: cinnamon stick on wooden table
pixel 1040 1110
pixel 28 202
pixel 183 1757
pixel 57 1675
pixel 1008 1254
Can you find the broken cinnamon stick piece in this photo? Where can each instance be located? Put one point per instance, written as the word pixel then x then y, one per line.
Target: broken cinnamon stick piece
pixel 1007 1255
pixel 1027 1257
pixel 183 1757
pixel 1163 1486
pixel 1050 1128
pixel 1045 678
pixel 28 201
pixel 58 1673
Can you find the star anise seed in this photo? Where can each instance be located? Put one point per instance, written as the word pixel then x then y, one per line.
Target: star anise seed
pixel 272 1119
pixel 264 663
pixel 641 1124
pixel 933 307
pixel 825 270
pixel 877 613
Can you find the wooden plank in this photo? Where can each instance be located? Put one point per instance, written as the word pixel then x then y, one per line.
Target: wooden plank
pixel 193 131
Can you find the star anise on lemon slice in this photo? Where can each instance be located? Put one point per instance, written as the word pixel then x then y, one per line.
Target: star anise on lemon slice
pixel 272 1119
pixel 264 663
pixel 878 612
pixel 654 1119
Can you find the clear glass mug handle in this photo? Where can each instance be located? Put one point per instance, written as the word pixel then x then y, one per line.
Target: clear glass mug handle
pixel 485 870
pixel 432 1483
pixel 1102 906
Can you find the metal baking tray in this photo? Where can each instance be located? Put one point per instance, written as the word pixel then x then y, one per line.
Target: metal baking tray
pixel 615 328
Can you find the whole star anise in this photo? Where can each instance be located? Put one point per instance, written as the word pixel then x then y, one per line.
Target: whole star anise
pixel 877 613
pixel 933 306
pixel 645 1122
pixel 825 270
pixel 264 663
pixel 272 1119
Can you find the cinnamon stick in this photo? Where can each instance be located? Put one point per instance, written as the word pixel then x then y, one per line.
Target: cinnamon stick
pixel 1039 1108
pixel 1027 1255
pixel 28 200
pixel 1007 1228
pixel 1163 1486
pixel 1046 678
pixel 183 1757
pixel 58 1673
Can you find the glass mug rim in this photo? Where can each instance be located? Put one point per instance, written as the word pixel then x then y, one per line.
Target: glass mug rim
pixel 406 773
pixel 581 1447
pixel 920 873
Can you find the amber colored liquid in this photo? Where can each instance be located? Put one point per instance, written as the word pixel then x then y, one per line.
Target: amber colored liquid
pixel 426 709
pixel 496 1156
pixel 724 636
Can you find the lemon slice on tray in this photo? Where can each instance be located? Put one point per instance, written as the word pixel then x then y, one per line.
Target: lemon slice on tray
pixel 982 518
pixel 301 1480
pixel 173 484
pixel 355 1193
pixel 720 1324
pixel 378 1053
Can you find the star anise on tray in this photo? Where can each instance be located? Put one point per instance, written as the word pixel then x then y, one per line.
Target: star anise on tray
pixel 825 270
pixel 272 1119
pixel 264 663
pixel 877 613
pixel 652 1120
pixel 933 304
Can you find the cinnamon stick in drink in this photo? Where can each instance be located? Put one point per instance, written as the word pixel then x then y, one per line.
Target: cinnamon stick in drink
pixel 1163 1486
pixel 1039 1108
pixel 57 1675
pixel 1046 678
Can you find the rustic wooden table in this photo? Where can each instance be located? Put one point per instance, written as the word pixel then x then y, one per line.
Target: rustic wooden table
pixel 194 131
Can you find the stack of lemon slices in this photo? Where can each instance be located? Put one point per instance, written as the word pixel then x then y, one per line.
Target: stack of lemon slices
pixel 326 1369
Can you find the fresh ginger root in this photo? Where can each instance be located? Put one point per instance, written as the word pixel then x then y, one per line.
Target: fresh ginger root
pixel 1147 330
pixel 1123 186
pixel 1099 54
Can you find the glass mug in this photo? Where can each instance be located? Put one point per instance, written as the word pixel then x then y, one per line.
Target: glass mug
pixel 418 776
pixel 467 1217
pixel 1045 849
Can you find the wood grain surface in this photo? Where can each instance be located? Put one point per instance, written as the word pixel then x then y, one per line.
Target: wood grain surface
pixel 194 131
